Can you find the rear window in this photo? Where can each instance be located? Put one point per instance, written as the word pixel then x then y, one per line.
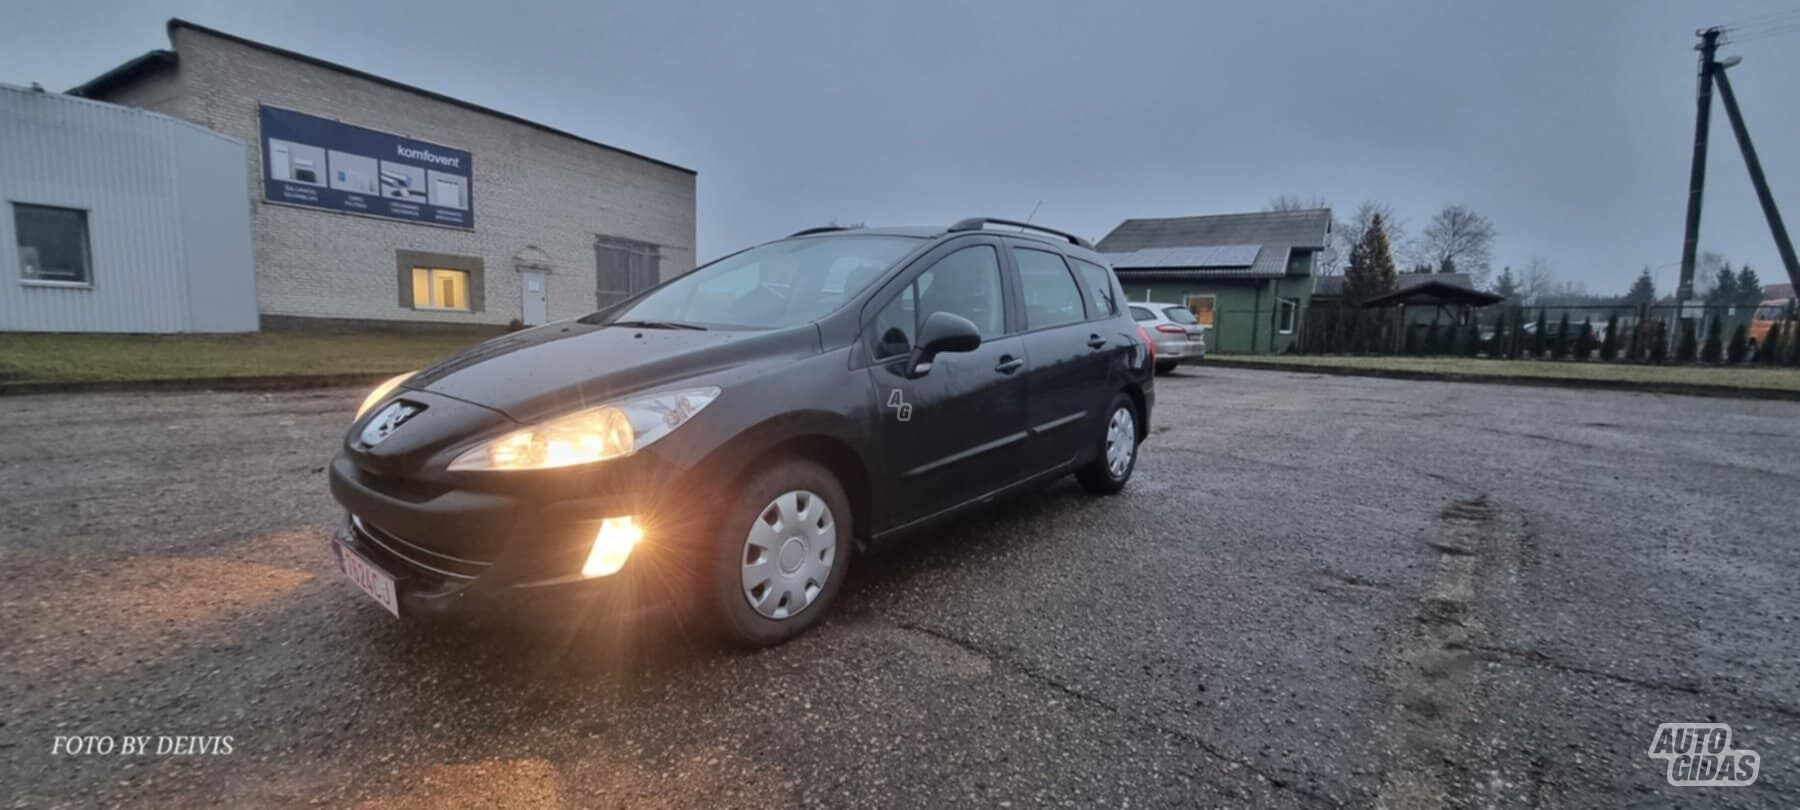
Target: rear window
pixel 1180 315
pixel 1096 282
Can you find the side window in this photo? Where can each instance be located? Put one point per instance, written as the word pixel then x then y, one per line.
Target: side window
pixel 896 325
pixel 1142 314
pixel 1051 297
pixel 1097 282
pixel 965 283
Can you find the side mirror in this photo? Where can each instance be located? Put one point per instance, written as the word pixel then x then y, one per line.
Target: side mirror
pixel 943 332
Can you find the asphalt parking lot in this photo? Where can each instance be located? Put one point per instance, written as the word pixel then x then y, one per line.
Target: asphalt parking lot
pixel 1317 591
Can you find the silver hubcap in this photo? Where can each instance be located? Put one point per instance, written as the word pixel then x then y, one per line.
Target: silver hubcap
pixel 788 554
pixel 1121 442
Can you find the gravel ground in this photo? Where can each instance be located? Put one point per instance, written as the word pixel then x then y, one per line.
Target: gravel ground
pixel 1317 591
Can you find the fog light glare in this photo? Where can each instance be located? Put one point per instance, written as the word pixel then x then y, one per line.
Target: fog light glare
pixel 612 546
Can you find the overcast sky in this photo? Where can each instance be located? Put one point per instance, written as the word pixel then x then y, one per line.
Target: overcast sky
pixel 1569 124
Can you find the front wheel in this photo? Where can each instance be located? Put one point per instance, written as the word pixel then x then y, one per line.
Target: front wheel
pixel 1109 472
pixel 781 552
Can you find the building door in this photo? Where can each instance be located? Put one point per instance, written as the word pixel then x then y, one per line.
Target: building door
pixel 534 291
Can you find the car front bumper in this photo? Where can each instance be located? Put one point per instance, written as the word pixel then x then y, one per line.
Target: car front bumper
pixel 455 549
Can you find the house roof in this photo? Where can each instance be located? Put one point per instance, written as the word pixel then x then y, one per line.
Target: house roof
pixel 159 60
pixel 1333 286
pixel 1773 291
pixel 1435 291
pixel 1215 246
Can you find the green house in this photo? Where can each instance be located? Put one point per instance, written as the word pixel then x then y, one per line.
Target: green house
pixel 1248 278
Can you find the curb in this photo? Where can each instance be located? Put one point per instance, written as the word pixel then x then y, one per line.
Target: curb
pixel 1688 389
pixel 287 382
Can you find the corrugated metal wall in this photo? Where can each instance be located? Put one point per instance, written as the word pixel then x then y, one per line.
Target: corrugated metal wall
pixel 168 219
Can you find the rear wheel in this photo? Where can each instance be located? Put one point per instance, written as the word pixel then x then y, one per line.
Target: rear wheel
pixel 1109 472
pixel 781 552
pixel 1165 366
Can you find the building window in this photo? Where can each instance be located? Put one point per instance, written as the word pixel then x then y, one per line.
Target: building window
pixel 623 268
pixel 53 245
pixel 440 288
pixel 1284 319
pixel 1203 307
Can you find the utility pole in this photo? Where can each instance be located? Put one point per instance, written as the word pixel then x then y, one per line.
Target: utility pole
pixel 1713 71
pixel 1709 45
pixel 1770 212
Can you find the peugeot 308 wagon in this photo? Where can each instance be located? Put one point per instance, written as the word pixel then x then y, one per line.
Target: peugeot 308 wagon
pixel 730 439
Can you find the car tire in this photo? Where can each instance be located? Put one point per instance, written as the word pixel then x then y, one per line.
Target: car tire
pixel 1118 443
pixel 788 526
pixel 1165 366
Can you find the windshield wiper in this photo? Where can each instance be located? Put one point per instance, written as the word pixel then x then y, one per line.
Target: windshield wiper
pixel 659 325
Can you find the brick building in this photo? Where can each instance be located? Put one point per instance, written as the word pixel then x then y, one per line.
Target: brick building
pixel 372 200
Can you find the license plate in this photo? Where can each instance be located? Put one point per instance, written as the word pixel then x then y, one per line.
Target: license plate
pixel 373 581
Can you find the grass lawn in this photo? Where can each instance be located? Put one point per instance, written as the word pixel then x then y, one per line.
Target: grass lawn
pixel 1749 377
pixel 62 358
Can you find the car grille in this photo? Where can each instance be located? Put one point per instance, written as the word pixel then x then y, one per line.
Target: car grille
pixel 450 568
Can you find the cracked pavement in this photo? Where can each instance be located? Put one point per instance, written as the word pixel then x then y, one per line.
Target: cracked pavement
pixel 1317 591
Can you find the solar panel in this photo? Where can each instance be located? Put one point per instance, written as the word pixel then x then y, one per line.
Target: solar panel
pixel 1196 256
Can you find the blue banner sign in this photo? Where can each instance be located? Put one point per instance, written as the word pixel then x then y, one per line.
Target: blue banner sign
pixel 321 163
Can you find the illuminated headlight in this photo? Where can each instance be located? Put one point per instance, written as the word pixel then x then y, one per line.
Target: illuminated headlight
pixel 595 434
pixel 381 393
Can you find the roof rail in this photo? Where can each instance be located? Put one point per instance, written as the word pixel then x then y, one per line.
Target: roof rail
pixel 820 229
pixel 977 223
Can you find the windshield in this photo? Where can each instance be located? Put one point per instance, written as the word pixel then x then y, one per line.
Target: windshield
pixel 780 284
pixel 1180 315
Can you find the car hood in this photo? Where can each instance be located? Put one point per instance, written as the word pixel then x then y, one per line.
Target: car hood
pixel 561 366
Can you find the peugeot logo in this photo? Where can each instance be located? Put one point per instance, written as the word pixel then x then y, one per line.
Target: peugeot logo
pixel 387 420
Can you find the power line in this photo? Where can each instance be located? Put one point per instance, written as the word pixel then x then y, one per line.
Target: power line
pixel 1761 19
pixel 1767 33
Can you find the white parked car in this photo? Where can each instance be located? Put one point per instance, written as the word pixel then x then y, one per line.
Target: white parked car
pixel 1178 335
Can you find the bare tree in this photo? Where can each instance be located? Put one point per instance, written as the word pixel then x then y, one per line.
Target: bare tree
pixel 1460 240
pixel 1537 282
pixel 1291 202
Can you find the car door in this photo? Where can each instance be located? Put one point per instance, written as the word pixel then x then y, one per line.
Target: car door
pixel 957 431
pixel 1069 382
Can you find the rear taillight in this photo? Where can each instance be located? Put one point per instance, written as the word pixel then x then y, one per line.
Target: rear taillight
pixel 1170 329
pixel 1148 343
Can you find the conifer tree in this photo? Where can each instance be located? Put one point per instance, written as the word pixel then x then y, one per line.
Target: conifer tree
pixel 1711 350
pixel 1584 340
pixel 1371 272
pixel 1540 340
pixel 1768 352
pixel 1609 343
pixel 1739 345
pixel 1687 346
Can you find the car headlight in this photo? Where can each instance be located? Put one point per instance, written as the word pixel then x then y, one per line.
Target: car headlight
pixel 381 392
pixel 594 434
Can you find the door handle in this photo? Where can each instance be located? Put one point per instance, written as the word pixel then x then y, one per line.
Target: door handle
pixel 1009 364
pixel 1096 341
